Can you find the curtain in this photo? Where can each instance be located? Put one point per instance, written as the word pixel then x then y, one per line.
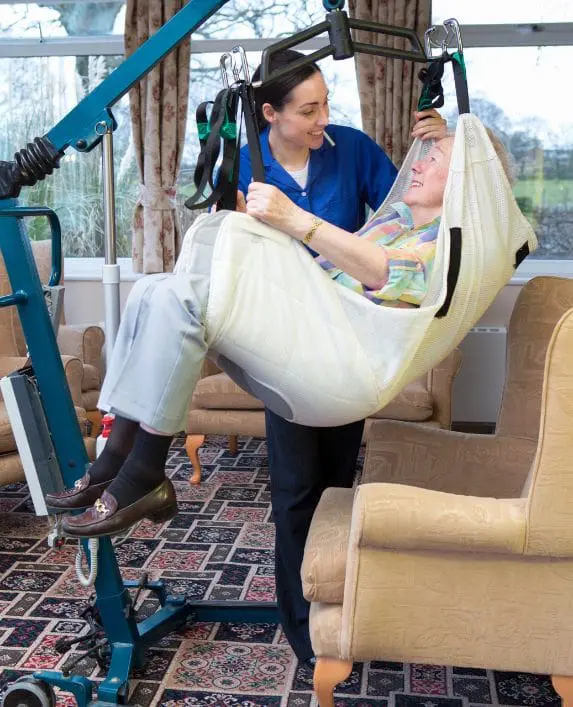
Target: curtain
pixel 389 88
pixel 158 106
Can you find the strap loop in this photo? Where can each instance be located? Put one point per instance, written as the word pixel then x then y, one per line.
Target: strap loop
pixel 222 127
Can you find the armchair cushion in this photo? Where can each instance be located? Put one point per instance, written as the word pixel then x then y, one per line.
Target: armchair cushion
pixel 92 377
pixel 219 392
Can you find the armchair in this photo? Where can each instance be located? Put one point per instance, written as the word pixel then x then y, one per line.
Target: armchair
pixel 13 356
pixel 82 342
pixel 458 549
pixel 221 407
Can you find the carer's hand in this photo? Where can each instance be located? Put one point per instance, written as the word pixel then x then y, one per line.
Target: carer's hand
pixel 429 124
pixel 270 205
pixel 241 204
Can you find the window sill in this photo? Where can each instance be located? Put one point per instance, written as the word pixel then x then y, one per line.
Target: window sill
pixel 90 269
pixel 533 268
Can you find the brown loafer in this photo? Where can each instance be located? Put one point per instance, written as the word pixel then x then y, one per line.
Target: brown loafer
pixel 104 518
pixel 82 494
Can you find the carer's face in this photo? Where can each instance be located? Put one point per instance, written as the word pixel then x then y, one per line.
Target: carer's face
pixel 429 176
pixel 301 121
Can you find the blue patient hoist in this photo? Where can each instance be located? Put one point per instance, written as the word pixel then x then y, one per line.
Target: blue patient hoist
pixel 83 129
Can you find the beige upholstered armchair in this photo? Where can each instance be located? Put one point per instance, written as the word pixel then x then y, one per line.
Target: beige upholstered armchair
pixel 83 342
pixel 13 356
pixel 457 549
pixel 221 407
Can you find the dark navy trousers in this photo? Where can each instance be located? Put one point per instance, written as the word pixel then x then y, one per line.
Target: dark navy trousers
pixel 303 462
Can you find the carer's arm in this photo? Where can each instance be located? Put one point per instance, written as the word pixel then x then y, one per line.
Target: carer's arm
pixel 359 258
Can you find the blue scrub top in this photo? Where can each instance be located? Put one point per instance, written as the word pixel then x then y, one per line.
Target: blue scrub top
pixel 342 179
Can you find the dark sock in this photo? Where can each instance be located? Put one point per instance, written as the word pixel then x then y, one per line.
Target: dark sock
pixel 143 470
pixel 117 448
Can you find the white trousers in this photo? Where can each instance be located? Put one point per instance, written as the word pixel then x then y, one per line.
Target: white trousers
pixel 160 348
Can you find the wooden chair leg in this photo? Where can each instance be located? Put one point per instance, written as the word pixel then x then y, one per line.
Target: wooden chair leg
pixel 328 672
pixel 94 416
pixel 233 444
pixel 564 688
pixel 192 444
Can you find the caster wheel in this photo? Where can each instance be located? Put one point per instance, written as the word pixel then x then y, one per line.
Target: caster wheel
pixel 29 692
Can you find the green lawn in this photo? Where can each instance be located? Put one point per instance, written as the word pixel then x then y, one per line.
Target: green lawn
pixel 550 192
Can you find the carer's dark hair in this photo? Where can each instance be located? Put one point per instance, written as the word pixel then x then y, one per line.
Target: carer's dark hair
pixel 277 92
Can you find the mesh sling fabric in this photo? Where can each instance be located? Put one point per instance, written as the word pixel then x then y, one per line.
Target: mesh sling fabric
pixel 320 354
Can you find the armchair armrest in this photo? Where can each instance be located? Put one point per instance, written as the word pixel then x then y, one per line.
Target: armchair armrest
pixel 440 380
pixel 9 364
pixel 74 372
pixel 84 342
pixel 453 462
pixel 395 517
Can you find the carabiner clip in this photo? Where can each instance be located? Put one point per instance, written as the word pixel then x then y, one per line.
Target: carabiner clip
pixel 244 64
pixel 430 43
pixel 223 66
pixel 231 59
pixel 451 30
pixel 452 27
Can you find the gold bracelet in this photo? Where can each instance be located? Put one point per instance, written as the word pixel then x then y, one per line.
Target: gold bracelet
pixel 316 222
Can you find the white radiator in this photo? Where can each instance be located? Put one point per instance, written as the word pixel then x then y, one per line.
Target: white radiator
pixel 479 384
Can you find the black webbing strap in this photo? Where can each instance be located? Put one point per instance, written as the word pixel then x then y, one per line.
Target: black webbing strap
pixel 223 127
pixel 453 270
pixel 521 254
pixel 432 95
pixel 461 82
pixel 250 117
pixel 218 127
pixel 200 176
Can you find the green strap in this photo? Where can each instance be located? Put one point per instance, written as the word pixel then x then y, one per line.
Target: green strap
pixel 228 130
pixel 424 101
pixel 203 130
pixel 459 57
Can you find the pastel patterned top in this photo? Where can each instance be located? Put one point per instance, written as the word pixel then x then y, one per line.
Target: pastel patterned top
pixel 410 253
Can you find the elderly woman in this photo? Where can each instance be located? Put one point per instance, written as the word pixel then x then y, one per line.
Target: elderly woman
pixel 161 343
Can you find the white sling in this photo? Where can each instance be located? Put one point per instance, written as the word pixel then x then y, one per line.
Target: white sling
pixel 318 353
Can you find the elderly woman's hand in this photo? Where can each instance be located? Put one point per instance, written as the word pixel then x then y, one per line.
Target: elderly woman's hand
pixel 429 125
pixel 270 205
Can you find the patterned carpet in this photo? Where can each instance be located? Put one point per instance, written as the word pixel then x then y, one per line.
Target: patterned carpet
pixel 219 546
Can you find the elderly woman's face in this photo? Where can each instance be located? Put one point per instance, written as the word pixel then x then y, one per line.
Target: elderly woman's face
pixel 429 176
pixel 301 121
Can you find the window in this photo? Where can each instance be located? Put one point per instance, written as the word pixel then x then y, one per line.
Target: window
pixel 518 83
pixel 35 93
pixel 517 52
pixel 52 54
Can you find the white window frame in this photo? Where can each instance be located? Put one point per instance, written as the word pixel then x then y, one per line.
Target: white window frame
pixel 484 35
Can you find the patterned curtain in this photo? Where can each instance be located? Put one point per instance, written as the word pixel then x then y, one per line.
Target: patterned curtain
pixel 158 114
pixel 389 88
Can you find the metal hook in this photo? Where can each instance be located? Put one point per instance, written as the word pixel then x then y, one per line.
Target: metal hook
pixel 453 26
pixel 244 64
pixel 451 30
pixel 223 66
pixel 229 60
pixel 429 41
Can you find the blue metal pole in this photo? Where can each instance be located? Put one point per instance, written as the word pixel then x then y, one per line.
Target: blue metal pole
pixel 113 599
pixel 77 129
pixel 42 346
